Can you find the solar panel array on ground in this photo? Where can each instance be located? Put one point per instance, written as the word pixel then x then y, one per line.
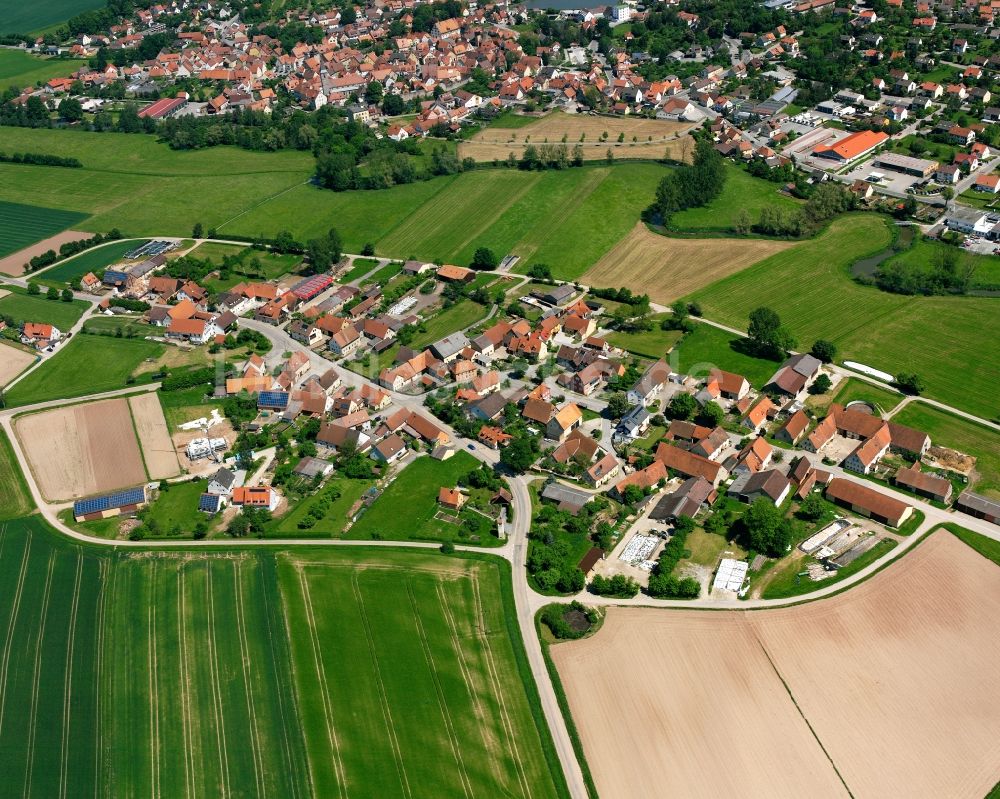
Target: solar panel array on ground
pixel 312 286
pixel 149 249
pixel 272 399
pixel 130 496
pixel 209 503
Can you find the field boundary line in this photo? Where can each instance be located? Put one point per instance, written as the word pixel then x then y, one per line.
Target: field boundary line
pixel 331 731
pixel 281 703
pixel 386 712
pixel 444 185
pixel 497 688
pixel 442 703
pixel 154 703
pixel 102 609
pixel 68 679
pixel 213 669
pixel 15 607
pixel 186 728
pixel 138 439
pixel 36 676
pixel 579 198
pixel 799 710
pixel 501 209
pixel 258 765
pixel 266 200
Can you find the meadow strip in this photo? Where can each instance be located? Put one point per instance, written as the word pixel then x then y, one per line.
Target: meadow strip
pixel 442 702
pixel 9 638
pixel 43 616
pixel 321 680
pixel 377 671
pixel 213 669
pixel 495 681
pixel 68 679
pixel 258 761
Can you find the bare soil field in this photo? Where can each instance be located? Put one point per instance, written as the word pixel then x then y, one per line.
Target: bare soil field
pixel 896 678
pixel 654 138
pixel 14 263
pixel 157 448
pixel 82 449
pixel 13 361
pixel 666 268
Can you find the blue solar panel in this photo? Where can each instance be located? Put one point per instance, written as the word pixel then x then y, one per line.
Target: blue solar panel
pixel 115 277
pixel 208 503
pixel 130 496
pixel 272 399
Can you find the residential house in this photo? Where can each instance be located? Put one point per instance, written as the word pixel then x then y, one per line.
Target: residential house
pixel 689 464
pixel 772 484
pixel 650 384
pixel 565 420
pixel 693 494
pixel 794 428
pixel 794 375
pixel 757 417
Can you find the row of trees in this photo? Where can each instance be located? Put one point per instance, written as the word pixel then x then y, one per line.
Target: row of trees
pixel 690 186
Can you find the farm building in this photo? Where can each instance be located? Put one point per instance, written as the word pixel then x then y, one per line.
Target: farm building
pixel 567 498
pixel 166 107
pixel 312 287
pixel 590 560
pixel 868 502
pixel 927 485
pixel 104 507
pixel 685 501
pixel 979 506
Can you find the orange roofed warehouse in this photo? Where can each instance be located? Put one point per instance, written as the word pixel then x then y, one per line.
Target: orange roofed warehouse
pixel 852 147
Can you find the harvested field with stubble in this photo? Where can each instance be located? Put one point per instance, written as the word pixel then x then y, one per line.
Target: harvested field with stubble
pixel 157 448
pixel 13 361
pixel 667 268
pixel 82 449
pixel 655 138
pixel 895 678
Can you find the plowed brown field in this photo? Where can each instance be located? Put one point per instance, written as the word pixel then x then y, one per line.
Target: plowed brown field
pixel 896 678
pixel 82 449
pixel 666 268
pixel 157 448
pixel 13 361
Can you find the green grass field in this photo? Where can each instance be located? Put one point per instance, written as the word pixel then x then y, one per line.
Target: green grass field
pixel 852 390
pixel 951 431
pixel 22 70
pixel 416 489
pixel 708 347
pixel 264 673
pixel 86 365
pixel 457 317
pixel 175 510
pixel 742 192
pixel 15 500
pixel 922 255
pixel 567 219
pixel 25 308
pixel 943 339
pixel 22 225
pixel 90 261
pixel 650 344
pixel 348 492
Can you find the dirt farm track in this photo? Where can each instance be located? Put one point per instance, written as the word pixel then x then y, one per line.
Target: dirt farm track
pixel 80 450
pixel 886 690
pixel 666 268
